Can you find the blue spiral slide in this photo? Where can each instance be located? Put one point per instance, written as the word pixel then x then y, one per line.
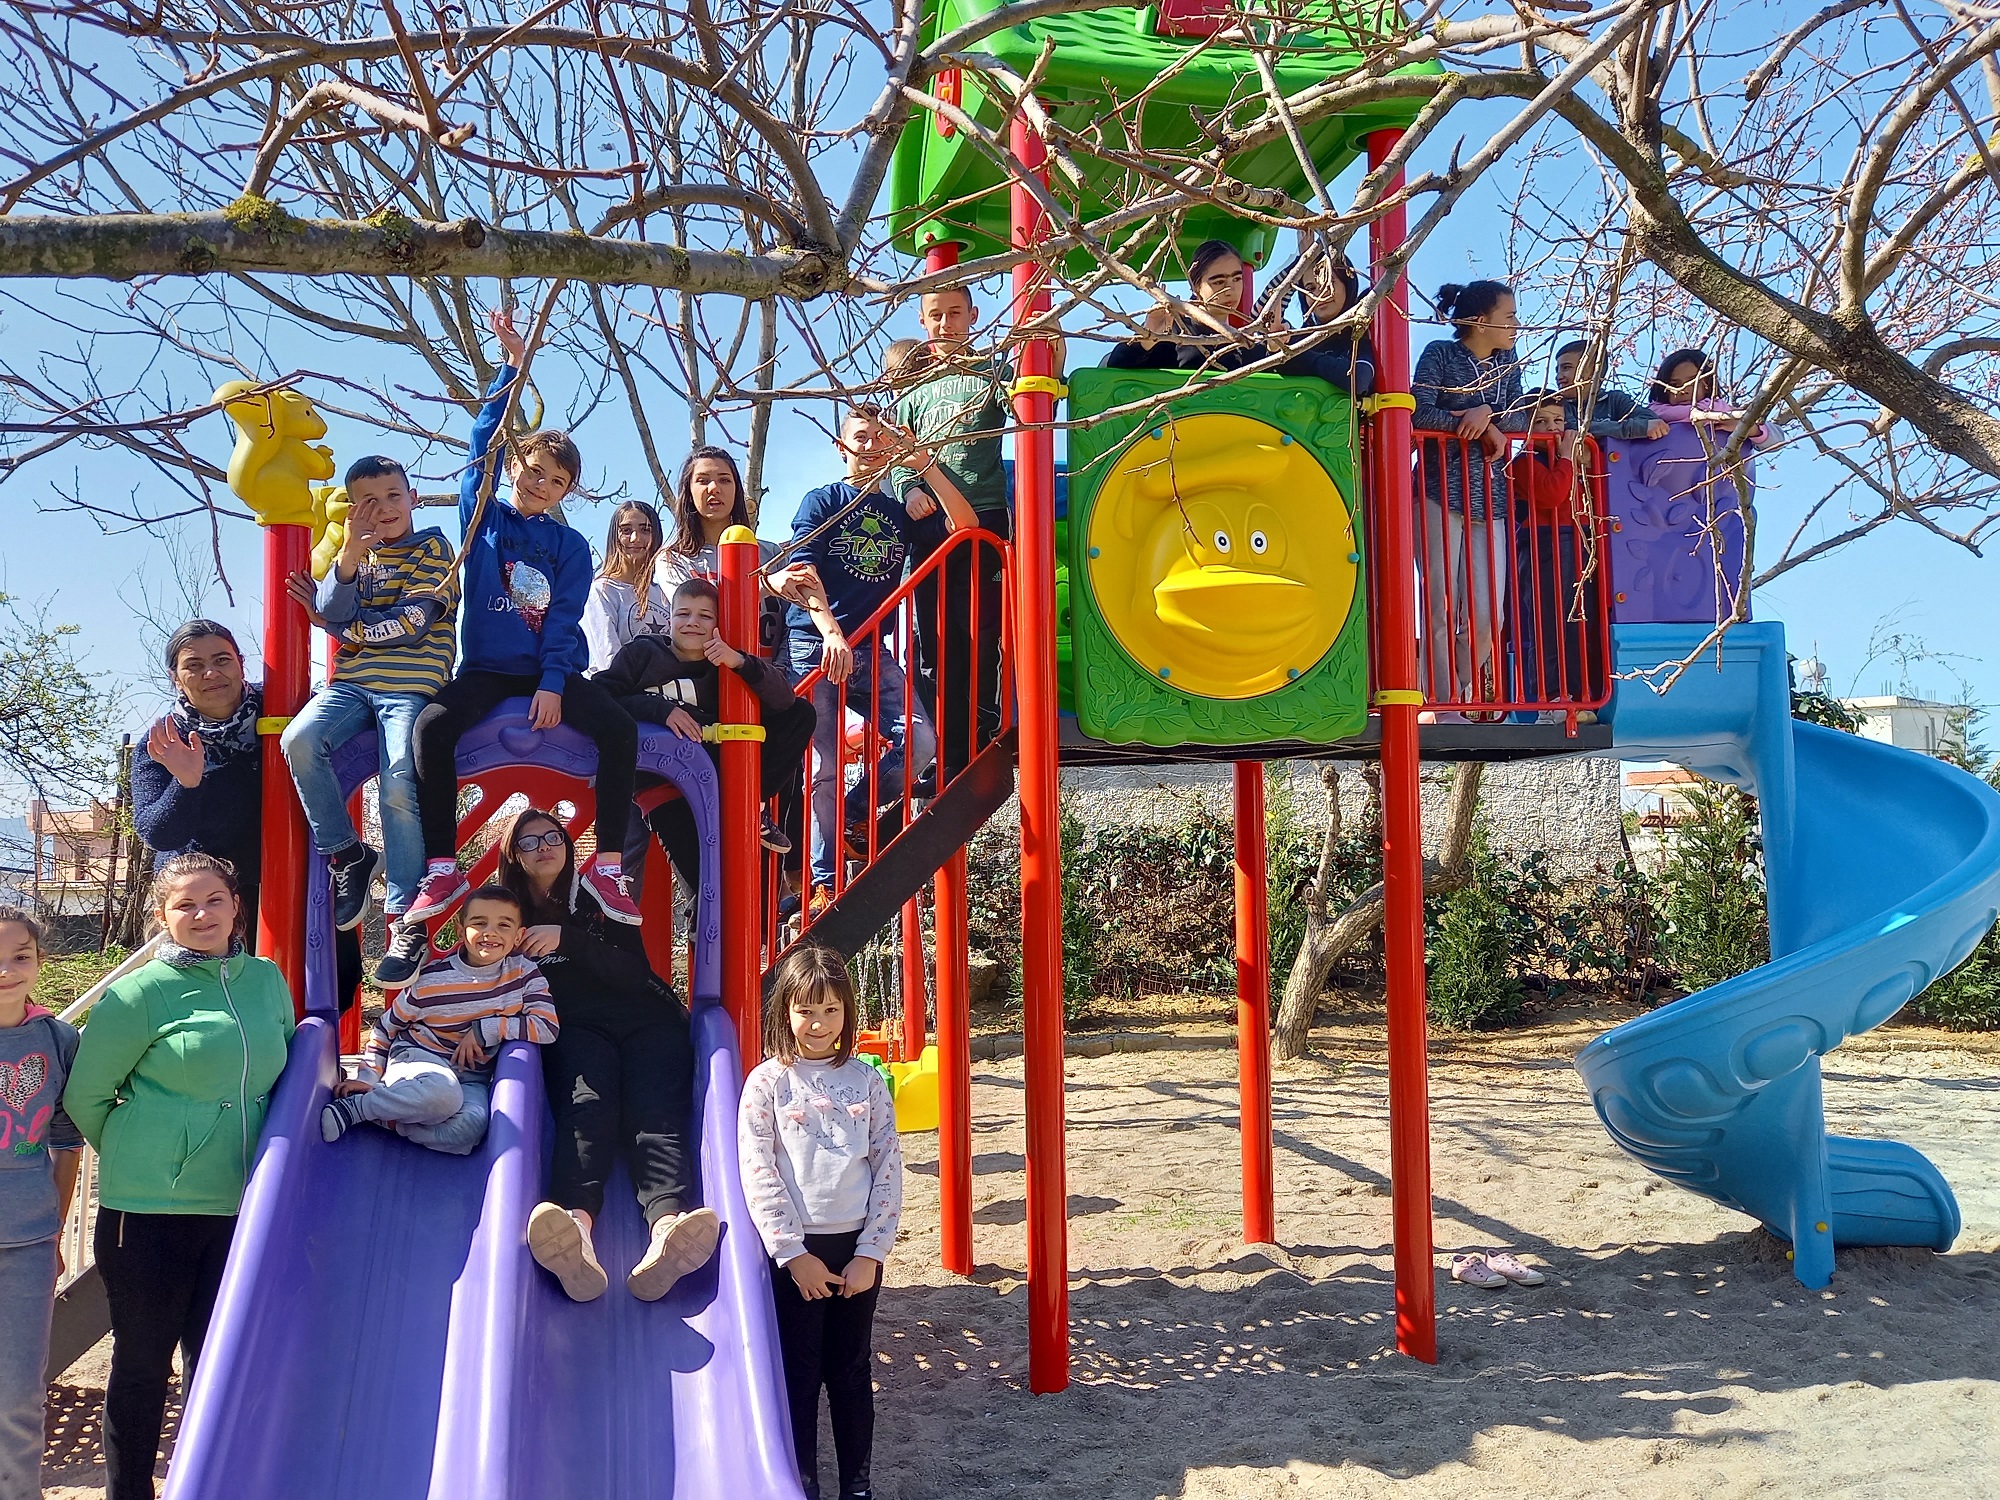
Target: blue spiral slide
pixel 1883 873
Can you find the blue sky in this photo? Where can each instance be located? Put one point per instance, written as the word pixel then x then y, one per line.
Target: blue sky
pixel 1901 580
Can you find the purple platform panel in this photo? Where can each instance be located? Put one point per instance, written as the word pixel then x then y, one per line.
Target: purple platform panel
pixel 1667 518
pixel 382 1330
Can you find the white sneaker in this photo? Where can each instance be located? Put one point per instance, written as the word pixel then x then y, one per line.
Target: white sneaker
pixel 561 1246
pixel 680 1245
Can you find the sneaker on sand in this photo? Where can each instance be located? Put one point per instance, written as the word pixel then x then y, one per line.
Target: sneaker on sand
pixel 440 892
pixel 350 877
pixel 561 1246
pixel 339 1117
pixel 609 891
pixel 409 951
pixel 680 1245
pixel 774 838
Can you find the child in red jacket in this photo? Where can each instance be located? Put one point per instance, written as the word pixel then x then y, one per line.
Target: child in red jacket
pixel 1560 652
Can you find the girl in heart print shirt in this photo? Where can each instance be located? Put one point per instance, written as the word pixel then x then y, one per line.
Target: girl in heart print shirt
pixel 38 1163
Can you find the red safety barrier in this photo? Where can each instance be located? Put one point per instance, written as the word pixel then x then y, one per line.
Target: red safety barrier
pixel 945 582
pixel 1513 587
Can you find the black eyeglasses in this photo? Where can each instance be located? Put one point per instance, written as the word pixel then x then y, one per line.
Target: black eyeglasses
pixel 528 843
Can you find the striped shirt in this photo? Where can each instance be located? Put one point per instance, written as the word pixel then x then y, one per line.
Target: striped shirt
pixel 394 620
pixel 452 999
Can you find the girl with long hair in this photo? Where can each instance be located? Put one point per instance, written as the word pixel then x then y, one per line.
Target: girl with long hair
pixel 625 601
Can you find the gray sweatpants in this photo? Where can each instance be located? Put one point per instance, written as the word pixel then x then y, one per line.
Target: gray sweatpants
pixel 423 1098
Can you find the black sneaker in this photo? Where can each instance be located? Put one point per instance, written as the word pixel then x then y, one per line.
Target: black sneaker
pixel 339 1117
pixel 409 950
pixel 773 837
pixel 350 873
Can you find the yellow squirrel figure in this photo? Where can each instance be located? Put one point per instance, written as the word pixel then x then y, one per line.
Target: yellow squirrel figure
pixel 276 461
pixel 329 522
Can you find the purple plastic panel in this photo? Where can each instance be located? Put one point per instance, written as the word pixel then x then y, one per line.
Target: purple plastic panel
pixel 503 739
pixel 382 1330
pixel 1666 518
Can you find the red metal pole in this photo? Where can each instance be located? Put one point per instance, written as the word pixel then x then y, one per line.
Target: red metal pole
pixel 1397 698
pixel 281 898
pixel 1041 854
pixel 954 1044
pixel 742 758
pixel 954 1020
pixel 1253 1004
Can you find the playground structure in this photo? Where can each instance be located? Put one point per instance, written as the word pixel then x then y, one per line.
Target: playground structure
pixel 1883 870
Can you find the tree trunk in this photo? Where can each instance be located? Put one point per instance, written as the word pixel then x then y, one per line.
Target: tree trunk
pixel 1329 939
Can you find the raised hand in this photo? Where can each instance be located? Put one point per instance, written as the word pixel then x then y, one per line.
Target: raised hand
pixel 182 759
pixel 511 343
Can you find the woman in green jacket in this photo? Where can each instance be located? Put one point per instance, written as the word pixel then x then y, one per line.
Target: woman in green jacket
pixel 169 1086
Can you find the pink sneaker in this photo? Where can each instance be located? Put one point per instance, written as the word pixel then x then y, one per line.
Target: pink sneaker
pixel 607 889
pixel 440 892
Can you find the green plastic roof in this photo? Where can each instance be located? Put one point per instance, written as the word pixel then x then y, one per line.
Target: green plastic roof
pixel 946 188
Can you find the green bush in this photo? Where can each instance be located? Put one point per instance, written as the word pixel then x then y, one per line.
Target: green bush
pixel 1475 940
pixel 1968 998
pixel 1710 891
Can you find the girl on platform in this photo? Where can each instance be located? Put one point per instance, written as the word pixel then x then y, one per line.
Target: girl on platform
pixel 624 599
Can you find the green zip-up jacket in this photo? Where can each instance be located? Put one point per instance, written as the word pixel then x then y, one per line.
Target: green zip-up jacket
pixel 172 1078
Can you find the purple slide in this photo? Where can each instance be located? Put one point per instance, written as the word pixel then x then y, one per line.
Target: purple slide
pixel 382 1330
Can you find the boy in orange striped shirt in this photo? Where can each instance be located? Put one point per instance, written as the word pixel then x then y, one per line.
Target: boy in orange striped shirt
pixel 427 1071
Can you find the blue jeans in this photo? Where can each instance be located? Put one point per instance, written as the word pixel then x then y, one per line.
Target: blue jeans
pixel 27 1297
pixel 335 714
pixel 876 691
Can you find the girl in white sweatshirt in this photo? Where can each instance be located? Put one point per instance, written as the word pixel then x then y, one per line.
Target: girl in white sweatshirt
pixel 824 1174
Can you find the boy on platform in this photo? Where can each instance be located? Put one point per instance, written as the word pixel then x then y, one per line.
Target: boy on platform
pixel 390 602
pixel 427 1071
pixel 527 579
pixel 675 680
pixel 859 538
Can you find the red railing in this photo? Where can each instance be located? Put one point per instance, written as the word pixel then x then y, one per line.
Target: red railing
pixel 1514 592
pixel 972 706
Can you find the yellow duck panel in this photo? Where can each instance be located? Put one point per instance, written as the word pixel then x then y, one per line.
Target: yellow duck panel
pixel 1220 554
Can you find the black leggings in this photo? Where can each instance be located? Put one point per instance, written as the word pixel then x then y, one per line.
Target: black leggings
pixel 627 1088
pixel 827 1343
pixel 470 697
pixel 787 737
pixel 161 1273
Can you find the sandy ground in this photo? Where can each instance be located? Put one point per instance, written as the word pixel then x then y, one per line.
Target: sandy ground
pixel 1671 1354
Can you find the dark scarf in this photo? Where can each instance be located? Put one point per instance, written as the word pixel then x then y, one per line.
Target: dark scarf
pixel 223 740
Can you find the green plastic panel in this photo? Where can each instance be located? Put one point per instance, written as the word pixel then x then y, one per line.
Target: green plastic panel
pixel 1288 490
pixel 947 188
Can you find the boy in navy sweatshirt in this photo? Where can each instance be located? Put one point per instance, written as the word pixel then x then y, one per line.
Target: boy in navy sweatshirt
pixel 859 538
pixel 526 580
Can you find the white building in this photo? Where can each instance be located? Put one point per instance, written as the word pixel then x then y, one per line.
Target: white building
pixel 1913 724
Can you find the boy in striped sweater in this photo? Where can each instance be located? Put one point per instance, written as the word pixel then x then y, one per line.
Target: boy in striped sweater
pixel 390 602
pixel 427 1071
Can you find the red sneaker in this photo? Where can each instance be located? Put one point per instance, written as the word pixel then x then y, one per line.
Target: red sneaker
pixel 607 889
pixel 440 892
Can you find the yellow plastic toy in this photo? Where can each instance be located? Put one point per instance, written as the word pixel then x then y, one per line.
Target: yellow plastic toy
pixel 916 1093
pixel 1220 555
pixel 276 461
pixel 330 508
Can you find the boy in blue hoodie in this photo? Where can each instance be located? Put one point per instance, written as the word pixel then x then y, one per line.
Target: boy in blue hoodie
pixel 526 581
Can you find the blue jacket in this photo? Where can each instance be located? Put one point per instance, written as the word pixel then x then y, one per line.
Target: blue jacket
pixel 526 579
pixel 221 816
